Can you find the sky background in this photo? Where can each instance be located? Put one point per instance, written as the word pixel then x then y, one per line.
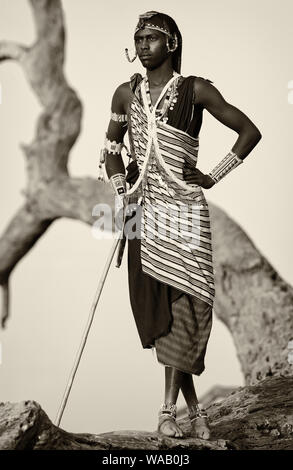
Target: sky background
pixel 245 48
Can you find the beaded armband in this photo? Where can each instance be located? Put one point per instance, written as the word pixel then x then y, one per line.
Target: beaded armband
pixel 118 117
pixel 113 146
pixel 226 165
pixel 110 147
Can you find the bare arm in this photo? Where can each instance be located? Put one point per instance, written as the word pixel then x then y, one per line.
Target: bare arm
pixel 212 100
pixel 116 131
pixel 248 134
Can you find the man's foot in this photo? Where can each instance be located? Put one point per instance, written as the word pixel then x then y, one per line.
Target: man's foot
pixel 200 428
pixel 199 424
pixel 167 421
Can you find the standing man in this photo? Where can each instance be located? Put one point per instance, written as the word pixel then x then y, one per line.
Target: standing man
pixel 170 264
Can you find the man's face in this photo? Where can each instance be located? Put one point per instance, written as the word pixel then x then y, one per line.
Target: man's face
pixel 151 47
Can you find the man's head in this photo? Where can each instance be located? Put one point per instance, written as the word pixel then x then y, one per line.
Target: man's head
pixel 156 38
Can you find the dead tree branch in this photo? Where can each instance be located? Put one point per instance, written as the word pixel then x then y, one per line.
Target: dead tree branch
pixel 50 193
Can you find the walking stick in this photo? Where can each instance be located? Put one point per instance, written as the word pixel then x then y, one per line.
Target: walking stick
pixel 86 332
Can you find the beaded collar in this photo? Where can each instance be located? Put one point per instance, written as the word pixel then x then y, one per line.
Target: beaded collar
pixel 169 101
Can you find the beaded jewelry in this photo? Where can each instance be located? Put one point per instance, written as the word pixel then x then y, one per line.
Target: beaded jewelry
pixel 128 57
pixel 167 412
pixel 196 412
pixel 201 427
pixel 199 414
pixel 142 23
pixel 118 117
pixel 169 409
pixel 118 182
pixel 226 165
pixel 113 146
pixel 169 102
pixel 175 39
pixel 102 176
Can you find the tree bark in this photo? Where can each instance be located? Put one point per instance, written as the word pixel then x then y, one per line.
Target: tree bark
pixel 258 417
pixel 25 426
pixel 253 301
pixel 252 417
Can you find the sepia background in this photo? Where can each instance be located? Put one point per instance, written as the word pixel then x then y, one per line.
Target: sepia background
pixel 245 48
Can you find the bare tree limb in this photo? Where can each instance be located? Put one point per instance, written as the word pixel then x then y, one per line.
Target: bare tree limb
pixel 12 51
pixel 5 304
pixel 50 193
pixel 25 426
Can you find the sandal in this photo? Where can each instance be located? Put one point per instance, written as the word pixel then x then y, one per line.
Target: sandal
pixel 167 412
pixel 201 426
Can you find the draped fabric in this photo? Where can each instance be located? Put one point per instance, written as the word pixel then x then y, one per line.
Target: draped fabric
pixel 169 278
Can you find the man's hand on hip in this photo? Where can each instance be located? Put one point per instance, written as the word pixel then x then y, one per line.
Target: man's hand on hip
pixel 194 176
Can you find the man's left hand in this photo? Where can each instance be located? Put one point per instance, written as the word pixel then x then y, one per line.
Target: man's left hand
pixel 194 176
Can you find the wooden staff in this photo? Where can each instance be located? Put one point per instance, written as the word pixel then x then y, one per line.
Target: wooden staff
pixel 86 332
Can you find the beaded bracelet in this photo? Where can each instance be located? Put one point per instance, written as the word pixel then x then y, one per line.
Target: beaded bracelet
pixel 168 408
pixel 195 412
pixel 229 163
pixel 118 182
pixel 102 174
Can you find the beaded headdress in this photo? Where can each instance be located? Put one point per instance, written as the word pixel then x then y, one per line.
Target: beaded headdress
pixel 157 23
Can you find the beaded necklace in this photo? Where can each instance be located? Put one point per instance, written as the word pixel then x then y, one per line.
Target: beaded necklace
pixel 169 101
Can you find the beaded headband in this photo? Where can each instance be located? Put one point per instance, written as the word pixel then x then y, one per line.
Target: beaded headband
pixel 144 23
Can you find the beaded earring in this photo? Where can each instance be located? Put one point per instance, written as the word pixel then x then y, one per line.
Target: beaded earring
pixel 127 56
pixel 175 41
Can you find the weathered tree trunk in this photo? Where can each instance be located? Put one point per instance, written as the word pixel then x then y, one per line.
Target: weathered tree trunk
pixel 253 417
pixel 50 193
pixel 253 301
pixel 26 426
pixel 258 416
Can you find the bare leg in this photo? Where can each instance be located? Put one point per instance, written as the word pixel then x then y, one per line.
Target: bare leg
pixel 188 391
pixel 172 386
pixel 173 379
pixel 199 426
